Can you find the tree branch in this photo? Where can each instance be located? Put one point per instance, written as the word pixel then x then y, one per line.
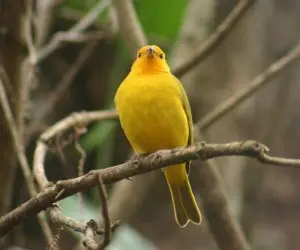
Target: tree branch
pixel 243 94
pixel 58 217
pixel 131 29
pixel 69 35
pixel 214 39
pixel 138 166
pixel 105 214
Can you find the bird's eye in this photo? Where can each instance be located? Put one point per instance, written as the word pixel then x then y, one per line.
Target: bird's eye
pixel 161 56
pixel 139 54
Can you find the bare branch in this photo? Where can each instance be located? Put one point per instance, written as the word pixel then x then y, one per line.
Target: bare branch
pixel 89 236
pixel 27 71
pixel 243 94
pixel 69 35
pixel 88 36
pixel 214 39
pixel 80 168
pixel 58 217
pixel 131 168
pixel 89 18
pixel 81 161
pixel 105 214
pixel 18 145
pixel 29 20
pixel 76 119
pixel 130 29
pixel 45 15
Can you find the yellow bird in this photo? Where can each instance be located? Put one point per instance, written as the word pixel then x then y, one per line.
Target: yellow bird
pixel 155 114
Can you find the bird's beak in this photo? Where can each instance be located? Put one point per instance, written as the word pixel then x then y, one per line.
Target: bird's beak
pixel 150 52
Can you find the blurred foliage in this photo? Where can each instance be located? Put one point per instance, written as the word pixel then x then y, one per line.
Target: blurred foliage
pixel 98 135
pixel 168 16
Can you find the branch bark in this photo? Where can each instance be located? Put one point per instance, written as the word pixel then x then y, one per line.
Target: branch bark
pixel 69 35
pixel 159 159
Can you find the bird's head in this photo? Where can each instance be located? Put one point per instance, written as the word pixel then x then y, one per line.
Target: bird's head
pixel 150 59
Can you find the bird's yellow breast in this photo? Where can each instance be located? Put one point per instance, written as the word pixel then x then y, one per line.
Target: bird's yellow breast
pixel 151 112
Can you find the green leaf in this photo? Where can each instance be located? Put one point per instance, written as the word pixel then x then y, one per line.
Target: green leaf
pixel 161 18
pixel 98 134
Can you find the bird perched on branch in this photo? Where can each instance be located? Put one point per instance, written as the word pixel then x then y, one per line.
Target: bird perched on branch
pixel 155 114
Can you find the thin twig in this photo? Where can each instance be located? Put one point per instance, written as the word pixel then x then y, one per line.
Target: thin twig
pixel 131 168
pixel 75 120
pixel 82 158
pixel 27 72
pixel 105 214
pixel 29 20
pixel 58 217
pixel 65 36
pixel 88 36
pixel 214 39
pixel 90 17
pixel 17 142
pixel 45 15
pixel 243 94
pixel 80 168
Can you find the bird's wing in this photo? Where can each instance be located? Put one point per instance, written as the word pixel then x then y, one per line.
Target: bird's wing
pixel 188 112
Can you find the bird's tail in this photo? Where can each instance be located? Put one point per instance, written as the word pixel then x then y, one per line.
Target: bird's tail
pixel 183 199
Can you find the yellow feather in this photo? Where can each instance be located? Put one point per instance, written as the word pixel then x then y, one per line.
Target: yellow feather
pixel 155 114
